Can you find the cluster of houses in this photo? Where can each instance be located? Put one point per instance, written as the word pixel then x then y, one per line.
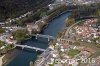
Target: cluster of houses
pixel 9 20
pixel 88 30
pixel 56 4
pixel 7 37
pixel 30 27
pixel 60 57
pixel 7 40
pixel 18 18
pixel 97 62
pixel 37 26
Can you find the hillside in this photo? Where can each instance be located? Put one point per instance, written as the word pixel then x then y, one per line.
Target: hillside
pixel 13 8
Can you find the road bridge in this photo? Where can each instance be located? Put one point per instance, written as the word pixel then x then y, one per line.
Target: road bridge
pixel 50 37
pixel 43 36
pixel 43 58
pixel 30 47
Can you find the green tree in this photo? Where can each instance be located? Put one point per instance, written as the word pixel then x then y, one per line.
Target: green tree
pixel 20 35
pixel 76 43
pixel 59 34
pixel 2 30
pixel 31 63
pixel 8 47
pixel 98 12
pixel 1 43
pixel 42 14
pixel 70 21
pixel 19 22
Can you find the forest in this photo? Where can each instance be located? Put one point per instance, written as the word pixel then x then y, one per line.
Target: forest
pixel 14 8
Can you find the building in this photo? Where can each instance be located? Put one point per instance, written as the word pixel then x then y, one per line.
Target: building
pixel 33 27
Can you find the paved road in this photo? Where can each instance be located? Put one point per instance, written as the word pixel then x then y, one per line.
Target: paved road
pixel 69 28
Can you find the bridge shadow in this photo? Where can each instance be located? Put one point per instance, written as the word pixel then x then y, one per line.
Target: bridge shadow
pixel 39 43
pixel 38 40
pixel 33 40
pixel 41 40
pixel 28 50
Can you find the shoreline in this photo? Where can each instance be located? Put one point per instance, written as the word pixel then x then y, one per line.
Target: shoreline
pixel 9 55
pixel 1 60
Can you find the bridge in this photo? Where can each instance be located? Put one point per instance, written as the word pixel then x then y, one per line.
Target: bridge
pixel 43 60
pixel 43 57
pixel 26 46
pixel 43 36
pixel 45 53
pixel 51 37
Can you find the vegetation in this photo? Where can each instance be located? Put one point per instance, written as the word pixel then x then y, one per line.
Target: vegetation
pixel 87 10
pixel 97 12
pixel 1 43
pixel 73 52
pixel 98 23
pixel 77 43
pixel 51 64
pixel 95 40
pixel 6 49
pixel 83 10
pixel 55 12
pixel 31 63
pixel 59 34
pixel 70 21
pixel 20 35
pixel 13 8
pixel 2 30
pixel 33 17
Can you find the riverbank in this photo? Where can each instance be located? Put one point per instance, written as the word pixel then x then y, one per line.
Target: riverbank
pixel 54 31
pixel 41 23
pixel 59 34
pixel 9 56
pixel 1 60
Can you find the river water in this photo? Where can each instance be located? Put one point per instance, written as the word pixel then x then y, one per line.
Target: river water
pixel 26 55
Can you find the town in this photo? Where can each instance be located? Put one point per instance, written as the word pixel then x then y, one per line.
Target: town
pixel 73 52
pixel 78 44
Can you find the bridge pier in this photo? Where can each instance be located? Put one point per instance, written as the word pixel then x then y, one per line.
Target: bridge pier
pixel 36 37
pixel 48 39
pixel 15 46
pixel 36 50
pixel 22 48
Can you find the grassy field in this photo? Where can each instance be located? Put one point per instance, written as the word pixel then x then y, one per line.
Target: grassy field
pixel 73 52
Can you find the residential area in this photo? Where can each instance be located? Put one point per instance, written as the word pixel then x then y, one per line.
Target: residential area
pixel 55 33
pixel 82 50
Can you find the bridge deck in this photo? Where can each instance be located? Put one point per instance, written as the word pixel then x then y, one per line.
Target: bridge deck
pixel 44 36
pixel 26 46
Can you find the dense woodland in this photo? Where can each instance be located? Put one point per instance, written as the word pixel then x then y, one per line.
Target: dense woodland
pixel 13 8
pixel 83 11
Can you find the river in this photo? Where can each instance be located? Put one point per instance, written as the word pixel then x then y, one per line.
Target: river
pixel 26 55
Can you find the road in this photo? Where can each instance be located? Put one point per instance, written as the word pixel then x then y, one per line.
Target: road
pixel 69 28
